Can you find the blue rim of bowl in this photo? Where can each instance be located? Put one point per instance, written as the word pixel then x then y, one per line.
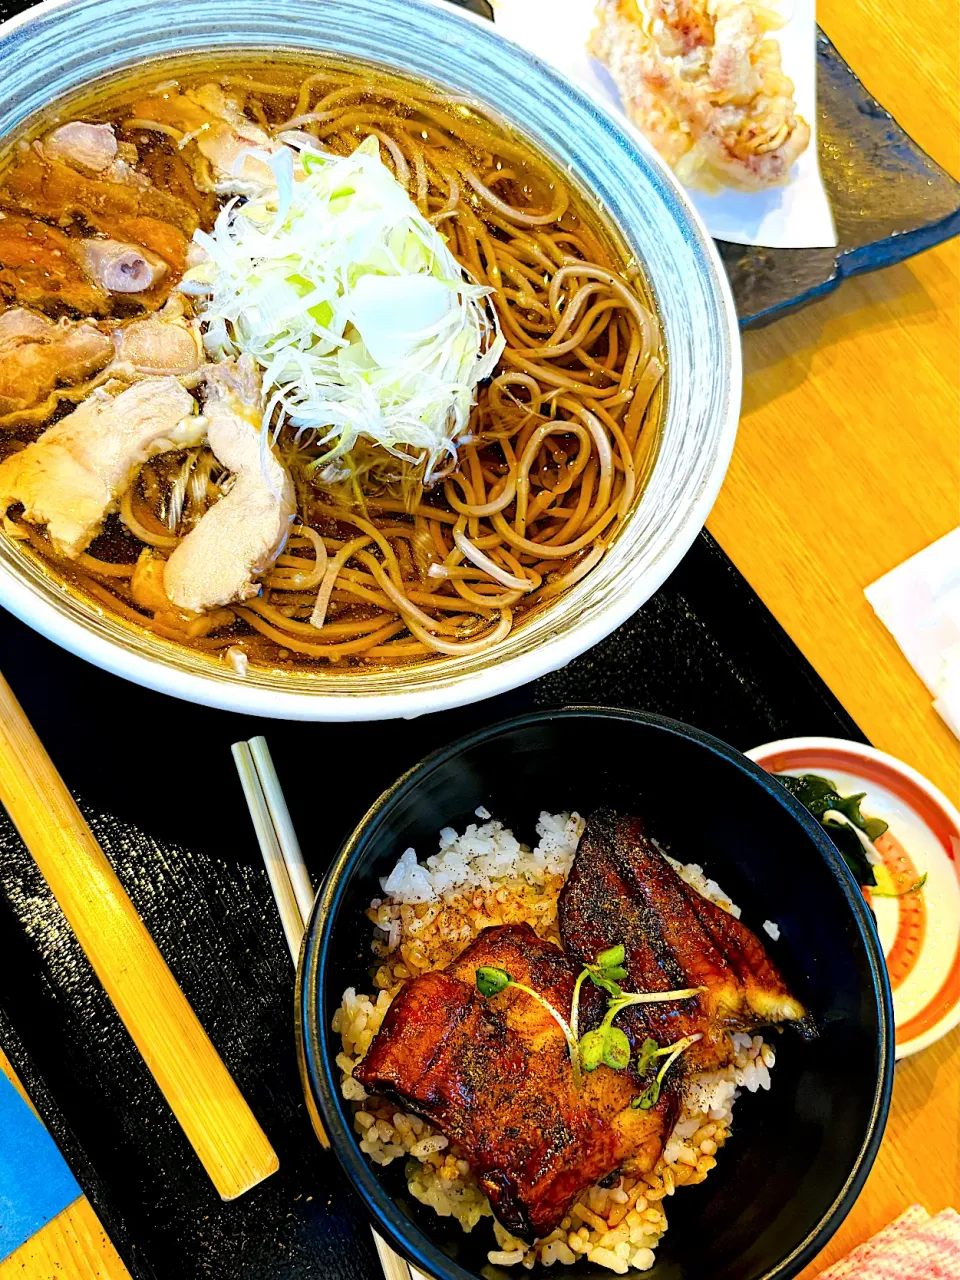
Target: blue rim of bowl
pixel 316 1064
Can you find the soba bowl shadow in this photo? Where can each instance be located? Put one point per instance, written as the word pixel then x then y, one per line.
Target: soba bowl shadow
pixel 798 1155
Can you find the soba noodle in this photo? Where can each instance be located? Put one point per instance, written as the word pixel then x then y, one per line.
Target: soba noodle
pixel 384 571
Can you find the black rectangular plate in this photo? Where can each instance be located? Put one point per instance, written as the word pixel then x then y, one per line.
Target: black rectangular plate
pixel 889 199
pixel 156 781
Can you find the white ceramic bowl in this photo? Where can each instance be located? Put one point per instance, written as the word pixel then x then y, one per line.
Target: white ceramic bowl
pixel 61 45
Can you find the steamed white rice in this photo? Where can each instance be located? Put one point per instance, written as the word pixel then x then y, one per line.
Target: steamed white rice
pixel 429 912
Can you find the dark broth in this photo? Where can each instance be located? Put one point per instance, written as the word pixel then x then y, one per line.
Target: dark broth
pixel 453 155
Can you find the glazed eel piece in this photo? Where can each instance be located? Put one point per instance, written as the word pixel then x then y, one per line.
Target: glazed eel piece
pixel 494 1075
pixel 622 890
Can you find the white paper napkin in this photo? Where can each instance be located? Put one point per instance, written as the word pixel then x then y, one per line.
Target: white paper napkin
pixel 919 604
pixel 795 216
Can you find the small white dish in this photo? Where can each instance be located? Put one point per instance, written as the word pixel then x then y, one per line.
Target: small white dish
pixel 920 933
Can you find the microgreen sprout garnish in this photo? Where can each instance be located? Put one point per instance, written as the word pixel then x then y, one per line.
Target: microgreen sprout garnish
pixel 606 972
pixel 649 1053
pixel 491 981
pixel 607 1043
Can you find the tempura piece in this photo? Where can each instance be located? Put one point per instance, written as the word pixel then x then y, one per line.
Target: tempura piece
pixel 702 79
pixel 242 534
pixel 37 355
pixel 72 477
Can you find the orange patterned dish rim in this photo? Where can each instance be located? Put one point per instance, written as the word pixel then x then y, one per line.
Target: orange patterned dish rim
pixel 923 922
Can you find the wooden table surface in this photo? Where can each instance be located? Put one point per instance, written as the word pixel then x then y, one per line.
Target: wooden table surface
pixel 846 463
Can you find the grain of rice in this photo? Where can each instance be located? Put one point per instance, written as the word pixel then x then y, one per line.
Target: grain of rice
pixel 607 1258
pixel 500 1258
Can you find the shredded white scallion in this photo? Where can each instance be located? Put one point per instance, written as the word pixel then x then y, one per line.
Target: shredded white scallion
pixel 363 322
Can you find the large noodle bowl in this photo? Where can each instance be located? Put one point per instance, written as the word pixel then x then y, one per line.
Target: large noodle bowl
pixel 388 560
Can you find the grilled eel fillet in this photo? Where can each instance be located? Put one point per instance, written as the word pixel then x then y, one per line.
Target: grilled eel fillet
pixel 494 1075
pixel 621 889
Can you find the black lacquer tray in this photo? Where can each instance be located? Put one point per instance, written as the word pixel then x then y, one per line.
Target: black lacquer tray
pixel 156 781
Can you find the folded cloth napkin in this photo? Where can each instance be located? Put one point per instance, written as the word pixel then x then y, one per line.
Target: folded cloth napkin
pixel 919 604
pixel 913 1247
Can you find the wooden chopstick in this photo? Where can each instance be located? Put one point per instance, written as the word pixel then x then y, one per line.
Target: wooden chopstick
pixel 286 836
pixel 197 1086
pixel 287 904
pixel 264 795
pixel 288 908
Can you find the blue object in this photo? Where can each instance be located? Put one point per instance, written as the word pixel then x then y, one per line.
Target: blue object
pixel 889 201
pixel 35 1183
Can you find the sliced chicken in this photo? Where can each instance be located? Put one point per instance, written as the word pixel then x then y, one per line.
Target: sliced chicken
pixel 242 534
pixel 494 1075
pixel 93 149
pixel 90 146
pixel 73 476
pixel 232 134
pixel 147 589
pixel 37 355
pixel 19 325
pixel 131 212
pixel 41 267
pixel 50 188
pixel 215 124
pixel 122 268
pixel 163 343
pixel 622 891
